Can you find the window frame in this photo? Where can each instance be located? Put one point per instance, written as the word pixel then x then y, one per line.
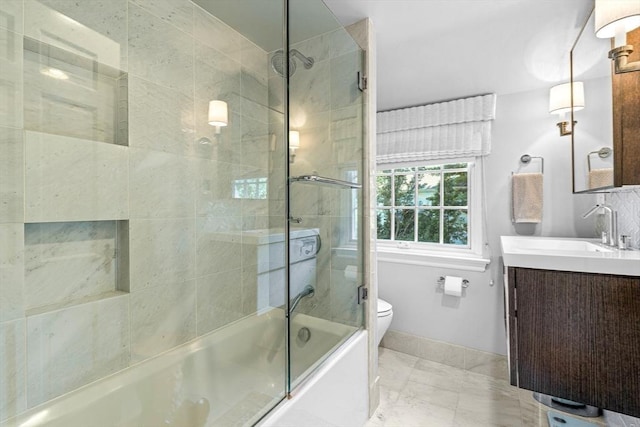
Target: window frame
pixel 473 248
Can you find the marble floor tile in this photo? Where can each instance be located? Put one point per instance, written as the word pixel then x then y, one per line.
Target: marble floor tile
pixel 390 357
pixel 437 375
pixel 395 368
pixel 420 415
pixel 416 392
pixel 485 363
pixel 478 384
pixel 489 409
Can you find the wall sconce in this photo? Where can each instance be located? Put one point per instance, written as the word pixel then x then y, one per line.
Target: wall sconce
pixel 294 144
pixel 615 18
pixel 560 103
pixel 218 114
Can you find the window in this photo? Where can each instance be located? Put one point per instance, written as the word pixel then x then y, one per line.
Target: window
pixel 428 205
pixel 250 188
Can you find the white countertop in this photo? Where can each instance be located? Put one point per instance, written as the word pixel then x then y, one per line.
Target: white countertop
pixel 568 254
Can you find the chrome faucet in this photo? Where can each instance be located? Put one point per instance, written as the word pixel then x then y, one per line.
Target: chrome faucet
pixel 613 223
pixel 307 291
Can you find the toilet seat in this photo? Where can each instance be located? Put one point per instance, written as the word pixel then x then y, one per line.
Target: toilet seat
pixel 384 308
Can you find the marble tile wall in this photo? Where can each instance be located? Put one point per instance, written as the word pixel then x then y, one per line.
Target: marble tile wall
pixel 80 101
pixel 11 271
pixel 68 261
pixel 98 32
pixel 627 204
pixel 11 88
pixel 63 174
pixel 145 238
pixel 11 175
pixel 13 390
pixel 69 348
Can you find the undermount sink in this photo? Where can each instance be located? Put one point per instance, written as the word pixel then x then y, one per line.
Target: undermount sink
pixel 551 244
pixel 568 254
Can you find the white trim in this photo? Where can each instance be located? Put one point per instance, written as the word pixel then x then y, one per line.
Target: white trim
pixel 474 209
pixel 457 261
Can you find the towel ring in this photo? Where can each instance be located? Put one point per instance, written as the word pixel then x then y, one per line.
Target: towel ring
pixel 526 159
pixel 603 153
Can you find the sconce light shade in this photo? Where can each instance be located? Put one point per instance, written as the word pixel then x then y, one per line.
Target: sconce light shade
pixel 218 113
pixel 616 17
pixel 560 98
pixel 294 144
pixel 294 139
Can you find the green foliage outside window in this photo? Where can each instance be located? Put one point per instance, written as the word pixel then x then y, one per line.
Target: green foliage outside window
pixel 424 204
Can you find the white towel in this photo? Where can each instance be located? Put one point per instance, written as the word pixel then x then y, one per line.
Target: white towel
pixel 527 197
pixel 600 178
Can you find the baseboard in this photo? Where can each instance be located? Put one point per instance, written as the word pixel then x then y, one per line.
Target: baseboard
pixel 481 362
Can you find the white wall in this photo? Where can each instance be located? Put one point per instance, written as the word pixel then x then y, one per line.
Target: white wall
pixel 522 126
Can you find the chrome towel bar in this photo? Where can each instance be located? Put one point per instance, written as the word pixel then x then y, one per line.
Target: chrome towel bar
pixel 317 179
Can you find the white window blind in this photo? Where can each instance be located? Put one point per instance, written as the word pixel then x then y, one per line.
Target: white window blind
pixel 445 130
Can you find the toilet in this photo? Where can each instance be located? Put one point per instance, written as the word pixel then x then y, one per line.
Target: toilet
pixel 385 314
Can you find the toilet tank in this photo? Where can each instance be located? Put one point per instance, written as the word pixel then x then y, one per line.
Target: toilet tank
pixel 269 262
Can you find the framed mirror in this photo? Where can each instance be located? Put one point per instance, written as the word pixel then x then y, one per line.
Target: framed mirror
pixel 592 135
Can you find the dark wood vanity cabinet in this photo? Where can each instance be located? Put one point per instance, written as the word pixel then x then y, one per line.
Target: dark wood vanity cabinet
pixel 576 336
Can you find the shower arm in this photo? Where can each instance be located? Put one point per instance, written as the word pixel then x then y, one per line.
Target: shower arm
pixel 306 61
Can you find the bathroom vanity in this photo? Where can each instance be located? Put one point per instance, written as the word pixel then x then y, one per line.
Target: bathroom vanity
pixel 573 320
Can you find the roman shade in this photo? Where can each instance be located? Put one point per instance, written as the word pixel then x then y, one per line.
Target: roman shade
pixel 444 130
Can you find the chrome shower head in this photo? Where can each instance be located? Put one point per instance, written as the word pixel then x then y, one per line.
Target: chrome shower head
pixel 278 62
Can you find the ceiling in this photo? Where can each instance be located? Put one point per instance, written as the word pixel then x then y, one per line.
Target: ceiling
pixel 434 50
pixel 261 20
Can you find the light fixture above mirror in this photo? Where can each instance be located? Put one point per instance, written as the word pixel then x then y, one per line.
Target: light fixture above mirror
pixel 560 103
pixel 614 19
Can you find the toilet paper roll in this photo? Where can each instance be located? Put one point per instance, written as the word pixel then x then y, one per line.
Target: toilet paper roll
pixel 453 286
pixel 351 272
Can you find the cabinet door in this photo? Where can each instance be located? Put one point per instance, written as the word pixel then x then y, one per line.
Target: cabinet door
pixel 579 337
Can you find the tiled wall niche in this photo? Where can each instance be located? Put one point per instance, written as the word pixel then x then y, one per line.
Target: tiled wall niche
pixel 72 95
pixel 71 263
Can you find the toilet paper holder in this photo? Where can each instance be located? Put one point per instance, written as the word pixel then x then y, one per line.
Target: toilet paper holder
pixel 465 282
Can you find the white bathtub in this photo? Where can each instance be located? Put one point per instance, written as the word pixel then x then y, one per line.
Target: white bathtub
pixel 232 376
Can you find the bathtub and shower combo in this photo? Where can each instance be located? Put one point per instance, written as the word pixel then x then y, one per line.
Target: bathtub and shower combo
pixel 181 215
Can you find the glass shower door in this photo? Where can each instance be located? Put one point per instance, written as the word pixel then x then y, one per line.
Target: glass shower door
pixel 325 170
